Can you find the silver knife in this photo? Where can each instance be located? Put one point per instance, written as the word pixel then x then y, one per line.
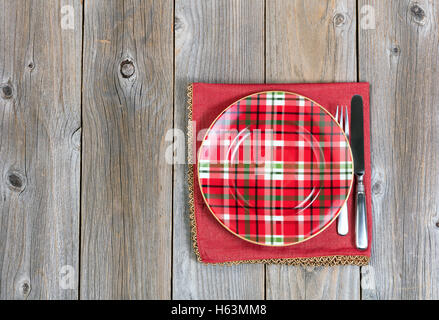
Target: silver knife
pixel 357 144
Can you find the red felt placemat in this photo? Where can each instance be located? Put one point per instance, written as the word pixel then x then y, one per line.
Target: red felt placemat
pixel 212 242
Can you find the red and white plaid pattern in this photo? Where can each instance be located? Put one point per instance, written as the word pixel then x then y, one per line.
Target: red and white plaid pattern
pixel 275 168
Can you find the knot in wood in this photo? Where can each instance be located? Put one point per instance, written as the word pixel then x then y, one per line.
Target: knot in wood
pixel 377 188
pixel 437 224
pixel 127 68
pixel 418 13
pixel 339 19
pixel 25 288
pixel 15 181
pixel 31 66
pixel 178 24
pixel 6 90
pixel 395 50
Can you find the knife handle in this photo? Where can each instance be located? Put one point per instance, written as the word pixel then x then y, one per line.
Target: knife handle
pixel 361 216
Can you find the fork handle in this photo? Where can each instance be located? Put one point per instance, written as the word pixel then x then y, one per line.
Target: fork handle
pixel 342 222
pixel 361 239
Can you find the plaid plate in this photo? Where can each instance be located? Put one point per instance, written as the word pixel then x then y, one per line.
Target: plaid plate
pixel 274 168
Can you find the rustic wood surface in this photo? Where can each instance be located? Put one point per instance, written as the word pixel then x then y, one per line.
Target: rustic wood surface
pixel 126 184
pixel 40 120
pixel 400 60
pixel 87 192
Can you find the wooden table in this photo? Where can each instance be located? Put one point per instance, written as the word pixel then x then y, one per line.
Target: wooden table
pixel 91 209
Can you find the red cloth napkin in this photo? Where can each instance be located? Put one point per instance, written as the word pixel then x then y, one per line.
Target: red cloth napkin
pixel 214 244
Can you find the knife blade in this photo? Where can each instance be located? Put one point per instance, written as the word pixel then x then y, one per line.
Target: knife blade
pixel 357 144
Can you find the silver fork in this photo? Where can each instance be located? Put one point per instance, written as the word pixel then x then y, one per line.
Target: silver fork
pixel 343 223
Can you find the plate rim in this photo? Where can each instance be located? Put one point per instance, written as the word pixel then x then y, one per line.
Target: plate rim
pixel 251 241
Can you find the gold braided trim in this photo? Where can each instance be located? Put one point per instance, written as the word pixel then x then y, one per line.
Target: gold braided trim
pixel 326 261
pixel 190 172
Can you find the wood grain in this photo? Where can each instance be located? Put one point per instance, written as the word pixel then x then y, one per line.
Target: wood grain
pixel 399 58
pixel 126 183
pixel 216 41
pixel 40 118
pixel 311 41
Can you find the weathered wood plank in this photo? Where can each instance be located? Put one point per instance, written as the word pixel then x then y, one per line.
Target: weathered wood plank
pixel 216 41
pixel 400 60
pixel 126 184
pixel 40 118
pixel 311 41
